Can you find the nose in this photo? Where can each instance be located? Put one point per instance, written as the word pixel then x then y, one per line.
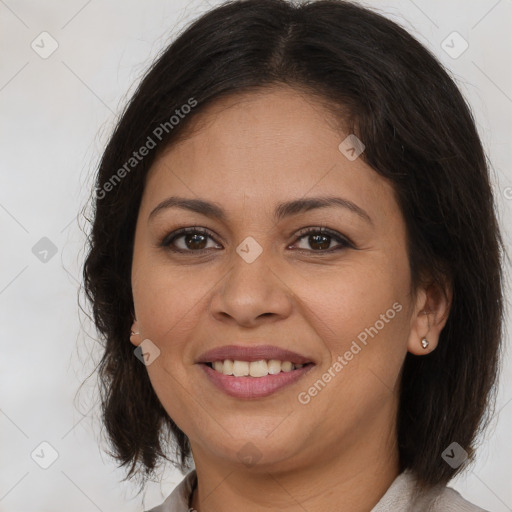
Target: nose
pixel 252 293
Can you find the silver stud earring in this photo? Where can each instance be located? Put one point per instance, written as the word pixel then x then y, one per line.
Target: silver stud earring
pixel 424 341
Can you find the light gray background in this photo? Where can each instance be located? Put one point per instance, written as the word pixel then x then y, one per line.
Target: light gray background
pixel 56 115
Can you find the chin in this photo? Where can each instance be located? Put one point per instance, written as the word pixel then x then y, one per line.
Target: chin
pixel 256 451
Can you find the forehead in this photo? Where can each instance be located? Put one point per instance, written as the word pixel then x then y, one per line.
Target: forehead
pixel 264 146
pixel 259 120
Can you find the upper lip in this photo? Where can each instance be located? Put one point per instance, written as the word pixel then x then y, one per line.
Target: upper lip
pixel 251 353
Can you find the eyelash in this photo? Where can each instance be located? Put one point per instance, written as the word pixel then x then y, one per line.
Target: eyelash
pixel 343 241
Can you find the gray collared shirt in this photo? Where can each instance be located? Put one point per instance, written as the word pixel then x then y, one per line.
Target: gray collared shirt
pixel 400 497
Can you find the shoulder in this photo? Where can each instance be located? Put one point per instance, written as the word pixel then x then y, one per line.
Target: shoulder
pixel 449 500
pixel 178 500
pixel 403 496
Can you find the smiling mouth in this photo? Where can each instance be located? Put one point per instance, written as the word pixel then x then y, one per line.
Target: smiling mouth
pixel 256 369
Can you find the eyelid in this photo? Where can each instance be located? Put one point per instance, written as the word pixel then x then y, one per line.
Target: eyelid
pixel 320 228
pixel 173 235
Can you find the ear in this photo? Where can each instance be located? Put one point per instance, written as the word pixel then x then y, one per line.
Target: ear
pixel 430 316
pixel 135 338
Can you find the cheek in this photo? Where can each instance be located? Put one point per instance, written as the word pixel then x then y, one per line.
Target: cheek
pixel 346 301
pixel 167 305
pixel 372 326
pixel 360 315
pixel 167 299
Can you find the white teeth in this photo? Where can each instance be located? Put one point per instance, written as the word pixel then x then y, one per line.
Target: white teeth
pixel 258 369
pixel 286 366
pixel 226 367
pixel 254 368
pixel 240 368
pixel 274 366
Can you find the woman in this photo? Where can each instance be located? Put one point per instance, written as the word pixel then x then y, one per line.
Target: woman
pixel 295 265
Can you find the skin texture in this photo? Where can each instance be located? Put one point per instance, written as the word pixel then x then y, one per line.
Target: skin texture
pixel 248 153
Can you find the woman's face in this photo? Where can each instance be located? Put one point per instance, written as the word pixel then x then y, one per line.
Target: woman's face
pixel 340 299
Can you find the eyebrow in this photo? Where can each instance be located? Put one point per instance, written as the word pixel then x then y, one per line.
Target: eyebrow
pixel 281 211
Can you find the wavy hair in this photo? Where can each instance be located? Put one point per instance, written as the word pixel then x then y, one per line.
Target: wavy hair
pixel 390 91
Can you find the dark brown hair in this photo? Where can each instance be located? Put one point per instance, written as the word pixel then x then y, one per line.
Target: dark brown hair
pixel 419 134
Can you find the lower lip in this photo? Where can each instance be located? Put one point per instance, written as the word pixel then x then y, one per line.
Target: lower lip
pixel 254 387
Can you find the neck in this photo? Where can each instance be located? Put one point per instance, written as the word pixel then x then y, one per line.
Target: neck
pixel 357 476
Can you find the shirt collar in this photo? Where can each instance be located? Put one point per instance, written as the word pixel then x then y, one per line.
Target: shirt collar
pixel 399 496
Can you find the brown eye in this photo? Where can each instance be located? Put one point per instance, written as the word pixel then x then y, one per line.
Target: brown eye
pixel 320 239
pixel 317 240
pixel 188 240
pixel 195 241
